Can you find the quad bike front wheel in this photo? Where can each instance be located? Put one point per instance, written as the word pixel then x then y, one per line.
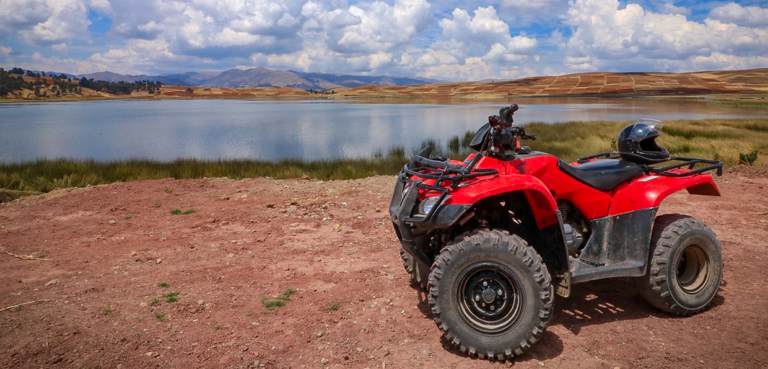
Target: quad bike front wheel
pixel 685 268
pixel 491 294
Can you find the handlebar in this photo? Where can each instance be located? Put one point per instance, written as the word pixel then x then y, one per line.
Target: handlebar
pixel 429 163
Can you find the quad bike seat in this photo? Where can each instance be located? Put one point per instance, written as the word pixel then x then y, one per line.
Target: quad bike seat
pixel 603 174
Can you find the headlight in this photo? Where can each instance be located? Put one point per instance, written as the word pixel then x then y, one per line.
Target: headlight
pixel 428 204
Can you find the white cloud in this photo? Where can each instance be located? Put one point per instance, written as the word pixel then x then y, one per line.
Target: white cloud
pixel 741 15
pixel 606 37
pixel 477 47
pixel 381 27
pixel 44 22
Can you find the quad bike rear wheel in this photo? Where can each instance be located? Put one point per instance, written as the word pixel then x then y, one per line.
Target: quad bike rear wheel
pixel 491 294
pixel 418 272
pixel 686 266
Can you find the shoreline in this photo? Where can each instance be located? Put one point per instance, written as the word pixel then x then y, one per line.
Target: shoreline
pixel 725 140
pixel 747 101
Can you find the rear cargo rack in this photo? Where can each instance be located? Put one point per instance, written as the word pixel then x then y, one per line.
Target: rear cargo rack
pixel 667 170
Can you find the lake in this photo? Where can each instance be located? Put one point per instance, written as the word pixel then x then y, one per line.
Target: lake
pixel 273 130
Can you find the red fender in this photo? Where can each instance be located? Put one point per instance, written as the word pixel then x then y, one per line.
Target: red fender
pixel 650 190
pixel 542 204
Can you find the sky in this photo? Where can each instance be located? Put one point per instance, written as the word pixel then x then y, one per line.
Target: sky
pixel 446 40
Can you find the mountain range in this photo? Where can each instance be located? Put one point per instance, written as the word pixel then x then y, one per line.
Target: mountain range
pixel 262 77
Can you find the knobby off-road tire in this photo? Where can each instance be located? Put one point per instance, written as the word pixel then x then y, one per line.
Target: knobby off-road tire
pixel 686 266
pixel 419 273
pixel 461 294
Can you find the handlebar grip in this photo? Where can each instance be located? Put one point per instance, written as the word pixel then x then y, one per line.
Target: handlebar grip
pixel 529 137
pixel 429 163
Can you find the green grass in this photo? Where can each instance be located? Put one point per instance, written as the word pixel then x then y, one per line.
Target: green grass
pixel 216 327
pixel 280 301
pixel 106 311
pixel 171 297
pixel 160 317
pixel 333 307
pixel 163 285
pixel 708 139
pixel 154 302
pixel 128 217
pixel 185 212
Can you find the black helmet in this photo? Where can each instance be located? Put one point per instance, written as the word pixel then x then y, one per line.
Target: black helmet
pixel 637 142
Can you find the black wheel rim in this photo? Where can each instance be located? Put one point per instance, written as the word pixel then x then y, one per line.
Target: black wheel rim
pixel 693 269
pixel 489 298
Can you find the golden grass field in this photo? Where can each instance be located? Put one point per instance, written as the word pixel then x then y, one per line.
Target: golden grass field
pixel 604 84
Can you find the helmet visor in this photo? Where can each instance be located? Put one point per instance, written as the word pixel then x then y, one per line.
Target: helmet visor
pixel 645 126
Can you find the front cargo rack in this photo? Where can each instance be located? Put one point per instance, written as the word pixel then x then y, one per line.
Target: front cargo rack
pixel 441 171
pixel 667 170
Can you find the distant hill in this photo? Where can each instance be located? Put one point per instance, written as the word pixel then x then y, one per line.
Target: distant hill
pixel 192 78
pixel 751 81
pixel 262 77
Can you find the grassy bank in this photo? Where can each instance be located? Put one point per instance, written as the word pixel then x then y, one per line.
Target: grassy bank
pixel 709 139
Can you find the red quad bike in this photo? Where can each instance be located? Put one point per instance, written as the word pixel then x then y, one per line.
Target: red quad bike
pixel 493 238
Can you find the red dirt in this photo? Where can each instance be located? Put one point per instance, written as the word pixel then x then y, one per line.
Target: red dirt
pixel 247 241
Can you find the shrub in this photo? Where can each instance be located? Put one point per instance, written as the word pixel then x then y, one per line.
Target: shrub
pixel 750 158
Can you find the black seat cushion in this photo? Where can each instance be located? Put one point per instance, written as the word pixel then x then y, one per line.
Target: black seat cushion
pixel 603 174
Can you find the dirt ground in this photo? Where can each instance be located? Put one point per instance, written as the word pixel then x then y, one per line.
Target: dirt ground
pixel 110 249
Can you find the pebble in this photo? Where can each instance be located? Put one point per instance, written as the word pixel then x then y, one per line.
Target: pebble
pixel 201 302
pixel 112 222
pixel 149 353
pixel 324 361
pixel 344 205
pixel 225 197
pixel 231 255
pixel 292 209
pixel 321 333
pixel 337 228
pixel 159 261
pixel 55 281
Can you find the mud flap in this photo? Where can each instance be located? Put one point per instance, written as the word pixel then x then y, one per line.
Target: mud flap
pixel 563 288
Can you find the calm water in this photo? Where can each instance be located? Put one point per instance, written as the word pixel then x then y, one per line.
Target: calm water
pixel 227 129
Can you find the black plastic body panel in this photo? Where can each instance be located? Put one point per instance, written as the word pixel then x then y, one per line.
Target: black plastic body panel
pixel 408 227
pixel 617 247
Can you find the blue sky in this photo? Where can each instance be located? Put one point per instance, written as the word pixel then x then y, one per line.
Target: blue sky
pixel 448 40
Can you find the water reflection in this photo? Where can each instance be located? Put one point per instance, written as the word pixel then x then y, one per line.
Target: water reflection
pixel 226 129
